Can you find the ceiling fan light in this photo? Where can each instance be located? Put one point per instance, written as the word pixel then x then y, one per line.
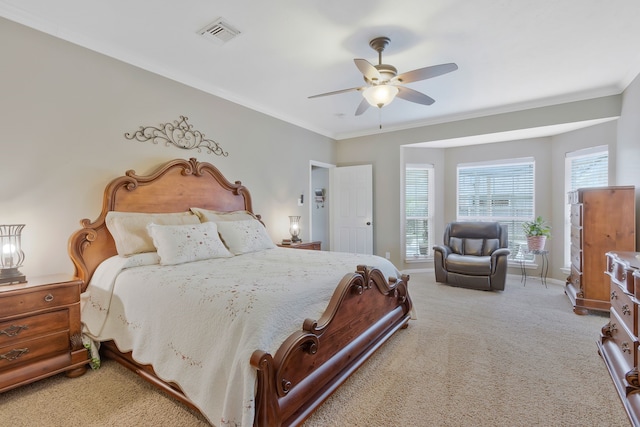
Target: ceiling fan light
pixel 380 95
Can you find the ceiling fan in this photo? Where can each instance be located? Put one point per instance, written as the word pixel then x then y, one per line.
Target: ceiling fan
pixel 384 83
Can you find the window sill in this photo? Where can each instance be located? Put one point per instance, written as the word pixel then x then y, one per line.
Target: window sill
pixel 418 260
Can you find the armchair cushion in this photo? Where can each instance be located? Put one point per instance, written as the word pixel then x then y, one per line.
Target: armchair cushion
pixel 455 243
pixel 490 246
pixel 472 265
pixel 473 247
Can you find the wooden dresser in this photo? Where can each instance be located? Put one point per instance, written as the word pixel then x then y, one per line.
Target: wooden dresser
pixel 618 343
pixel 40 330
pixel 603 219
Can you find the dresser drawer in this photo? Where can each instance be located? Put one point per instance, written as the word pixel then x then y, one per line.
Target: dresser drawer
pixel 33 349
pixel 625 308
pixel 625 342
pixel 576 237
pixel 576 258
pixel 576 215
pixel 39 299
pixel 28 327
pixel 575 278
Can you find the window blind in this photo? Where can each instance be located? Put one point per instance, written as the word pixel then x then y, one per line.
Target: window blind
pixel 418 180
pixel 501 192
pixel 590 171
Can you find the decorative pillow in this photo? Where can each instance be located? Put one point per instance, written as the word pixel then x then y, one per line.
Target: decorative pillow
pixel 178 244
pixel 216 216
pixel 129 229
pixel 473 247
pixel 245 236
pixel 490 245
pixel 455 243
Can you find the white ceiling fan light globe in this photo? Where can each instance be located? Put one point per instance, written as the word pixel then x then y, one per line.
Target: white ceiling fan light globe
pixel 380 95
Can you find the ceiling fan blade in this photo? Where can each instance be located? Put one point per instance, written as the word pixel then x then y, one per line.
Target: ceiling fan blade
pixel 414 96
pixel 368 70
pixel 362 107
pixel 337 92
pixel 425 73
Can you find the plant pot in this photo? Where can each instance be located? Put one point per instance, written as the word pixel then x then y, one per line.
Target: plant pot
pixel 536 243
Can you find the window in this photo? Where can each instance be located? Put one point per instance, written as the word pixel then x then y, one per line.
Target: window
pixel 583 169
pixel 418 211
pixel 499 191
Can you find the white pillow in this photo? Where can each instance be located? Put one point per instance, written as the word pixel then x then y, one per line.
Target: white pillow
pixel 178 244
pixel 217 216
pixel 129 229
pixel 244 236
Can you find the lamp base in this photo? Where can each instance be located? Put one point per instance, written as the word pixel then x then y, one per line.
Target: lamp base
pixel 295 239
pixel 11 275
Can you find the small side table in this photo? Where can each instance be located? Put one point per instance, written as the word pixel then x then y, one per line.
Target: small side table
pixel 543 253
pixel 314 246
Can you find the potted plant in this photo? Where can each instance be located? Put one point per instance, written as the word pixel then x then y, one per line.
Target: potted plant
pixel 537 232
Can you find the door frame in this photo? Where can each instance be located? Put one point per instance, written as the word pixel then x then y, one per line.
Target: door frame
pixel 317 164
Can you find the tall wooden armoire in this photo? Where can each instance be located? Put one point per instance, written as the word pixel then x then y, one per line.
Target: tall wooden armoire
pixel 603 219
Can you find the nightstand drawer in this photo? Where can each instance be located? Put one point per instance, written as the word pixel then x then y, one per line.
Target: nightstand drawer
pixel 28 327
pixel 28 350
pixel 38 300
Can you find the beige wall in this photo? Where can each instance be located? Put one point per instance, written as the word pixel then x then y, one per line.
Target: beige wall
pixel 628 146
pixel 63 115
pixel 383 151
pixel 65 109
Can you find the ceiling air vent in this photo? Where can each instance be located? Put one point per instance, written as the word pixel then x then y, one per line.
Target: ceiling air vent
pixel 220 31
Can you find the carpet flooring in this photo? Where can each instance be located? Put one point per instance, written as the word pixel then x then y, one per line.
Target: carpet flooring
pixel 471 358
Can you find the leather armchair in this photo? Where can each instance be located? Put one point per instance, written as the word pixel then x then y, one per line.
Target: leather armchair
pixel 473 255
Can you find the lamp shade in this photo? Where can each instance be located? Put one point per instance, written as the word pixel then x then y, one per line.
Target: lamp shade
pixel 294 228
pixel 380 95
pixel 11 255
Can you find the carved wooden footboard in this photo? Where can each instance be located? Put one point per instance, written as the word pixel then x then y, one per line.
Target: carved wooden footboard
pixel 364 312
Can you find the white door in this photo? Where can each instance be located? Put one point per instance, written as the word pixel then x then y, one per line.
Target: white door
pixel 352 209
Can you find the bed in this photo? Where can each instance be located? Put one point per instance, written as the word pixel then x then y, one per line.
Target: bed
pixel 312 319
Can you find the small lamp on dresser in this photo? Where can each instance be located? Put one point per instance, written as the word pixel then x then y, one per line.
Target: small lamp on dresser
pixel 294 228
pixel 12 256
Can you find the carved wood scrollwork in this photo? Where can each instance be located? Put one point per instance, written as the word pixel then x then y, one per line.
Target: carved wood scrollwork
pixel 180 134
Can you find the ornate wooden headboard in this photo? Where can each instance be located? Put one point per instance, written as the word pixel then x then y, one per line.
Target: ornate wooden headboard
pixel 175 186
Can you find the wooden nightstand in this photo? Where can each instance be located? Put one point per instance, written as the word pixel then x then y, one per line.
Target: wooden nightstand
pixel 40 332
pixel 315 246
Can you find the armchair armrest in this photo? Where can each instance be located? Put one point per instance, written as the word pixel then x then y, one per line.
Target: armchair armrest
pixel 499 252
pixel 445 250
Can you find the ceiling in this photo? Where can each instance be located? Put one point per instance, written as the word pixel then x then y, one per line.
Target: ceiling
pixel 511 54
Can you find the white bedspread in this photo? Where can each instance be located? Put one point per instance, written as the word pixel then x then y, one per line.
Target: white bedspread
pixel 199 323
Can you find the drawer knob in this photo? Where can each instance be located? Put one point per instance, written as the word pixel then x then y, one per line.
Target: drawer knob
pixel 613 328
pixel 614 295
pixel 13 330
pixel 48 298
pixel 14 354
pixel 626 310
